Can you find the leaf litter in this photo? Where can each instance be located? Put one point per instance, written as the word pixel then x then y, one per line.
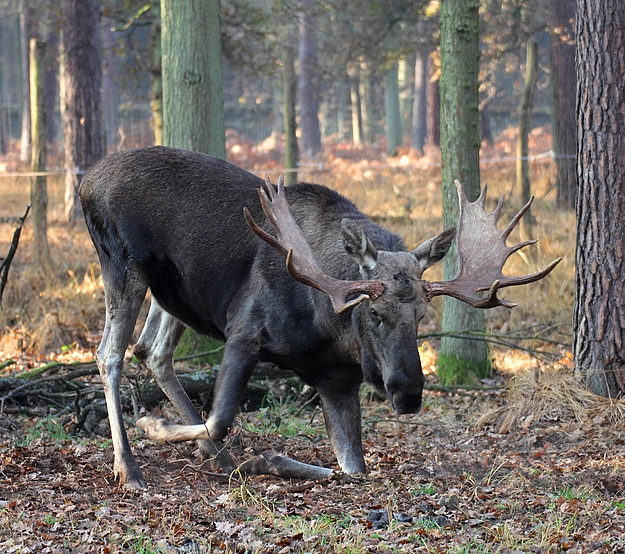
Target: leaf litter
pixel 537 474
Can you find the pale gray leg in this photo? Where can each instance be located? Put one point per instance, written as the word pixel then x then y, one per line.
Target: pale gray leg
pixel 155 349
pixel 122 309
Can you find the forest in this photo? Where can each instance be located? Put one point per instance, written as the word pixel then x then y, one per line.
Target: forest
pixel 519 440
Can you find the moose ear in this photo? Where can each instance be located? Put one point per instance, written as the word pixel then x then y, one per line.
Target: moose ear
pixel 433 250
pixel 358 246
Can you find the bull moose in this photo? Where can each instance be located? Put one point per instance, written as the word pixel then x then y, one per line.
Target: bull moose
pixel 345 308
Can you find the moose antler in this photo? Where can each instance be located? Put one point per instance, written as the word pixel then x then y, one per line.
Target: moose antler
pixel 482 253
pixel 300 260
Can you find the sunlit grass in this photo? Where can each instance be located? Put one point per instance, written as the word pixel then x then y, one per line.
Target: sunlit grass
pixel 60 315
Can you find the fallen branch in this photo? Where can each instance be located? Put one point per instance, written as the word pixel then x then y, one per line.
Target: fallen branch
pixel 6 262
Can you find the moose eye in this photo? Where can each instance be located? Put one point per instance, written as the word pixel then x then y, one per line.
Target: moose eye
pixel 376 317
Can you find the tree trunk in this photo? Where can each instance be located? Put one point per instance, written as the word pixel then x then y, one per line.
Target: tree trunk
pixel 193 97
pixel 156 73
pixel 52 86
pixel 111 98
pixel 38 189
pixel 406 80
pixel 343 115
pixel 289 93
pixel 522 148
pixel 309 94
pixel 433 117
pixel 82 125
pixel 357 125
pixel 391 110
pixel 563 85
pixel 25 145
pixel 460 361
pixel 598 321
pixel 419 110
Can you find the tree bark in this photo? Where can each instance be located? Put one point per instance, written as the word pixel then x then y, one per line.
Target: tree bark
pixel 563 85
pixel 38 187
pixel 156 73
pixel 460 360
pixel 193 101
pixel 391 110
pixel 356 103
pixel 406 80
pixel 599 317
pixel 419 111
pixel 25 145
pixel 433 138
pixel 522 144
pixel 83 132
pixel 289 94
pixel 309 94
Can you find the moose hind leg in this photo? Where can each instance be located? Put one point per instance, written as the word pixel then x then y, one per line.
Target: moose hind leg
pixel 155 349
pixel 123 303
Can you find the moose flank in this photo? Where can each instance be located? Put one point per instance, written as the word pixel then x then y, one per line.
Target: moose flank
pixel 345 308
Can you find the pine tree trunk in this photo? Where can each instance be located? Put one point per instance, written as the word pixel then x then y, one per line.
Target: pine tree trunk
pixel 38 188
pixel 460 360
pixel 357 125
pixel 156 74
pixel 419 110
pixel 406 80
pixel 25 145
pixel 522 145
pixel 309 94
pixel 193 101
pixel 82 125
pixel 599 321
pixel 563 84
pixel 289 92
pixel 433 138
pixel 391 110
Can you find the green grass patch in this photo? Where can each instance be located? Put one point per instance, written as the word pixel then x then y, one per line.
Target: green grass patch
pixel 452 370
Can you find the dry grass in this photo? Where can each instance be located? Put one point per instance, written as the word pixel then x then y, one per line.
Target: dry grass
pixel 60 315
pixel 552 393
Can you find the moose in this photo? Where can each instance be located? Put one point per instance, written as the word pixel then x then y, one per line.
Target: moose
pixel 344 308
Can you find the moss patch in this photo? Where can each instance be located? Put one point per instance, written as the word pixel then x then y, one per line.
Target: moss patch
pixel 452 370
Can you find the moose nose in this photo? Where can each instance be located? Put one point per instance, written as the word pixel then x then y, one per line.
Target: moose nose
pixel 406 403
pixel 405 398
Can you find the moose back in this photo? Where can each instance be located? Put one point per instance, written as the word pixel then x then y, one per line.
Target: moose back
pixel 344 308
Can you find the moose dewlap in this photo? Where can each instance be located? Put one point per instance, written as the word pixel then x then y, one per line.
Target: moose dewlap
pixel 208 239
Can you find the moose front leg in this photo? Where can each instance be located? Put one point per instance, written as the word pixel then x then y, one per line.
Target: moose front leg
pixel 341 412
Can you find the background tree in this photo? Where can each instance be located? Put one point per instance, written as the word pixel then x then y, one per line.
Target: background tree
pixel 522 143
pixel 193 104
pixel 460 360
pixel 25 17
pixel 39 151
pixel 309 85
pixel 599 322
pixel 289 94
pixel 82 125
pixel 563 84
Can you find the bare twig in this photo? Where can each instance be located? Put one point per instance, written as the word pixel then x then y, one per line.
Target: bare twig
pixel 6 262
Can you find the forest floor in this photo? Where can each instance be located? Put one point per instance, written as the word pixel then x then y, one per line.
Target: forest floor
pixel 436 483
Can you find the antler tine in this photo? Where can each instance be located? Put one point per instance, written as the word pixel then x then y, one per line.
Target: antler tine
pixel 300 260
pixel 517 217
pixel 482 253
